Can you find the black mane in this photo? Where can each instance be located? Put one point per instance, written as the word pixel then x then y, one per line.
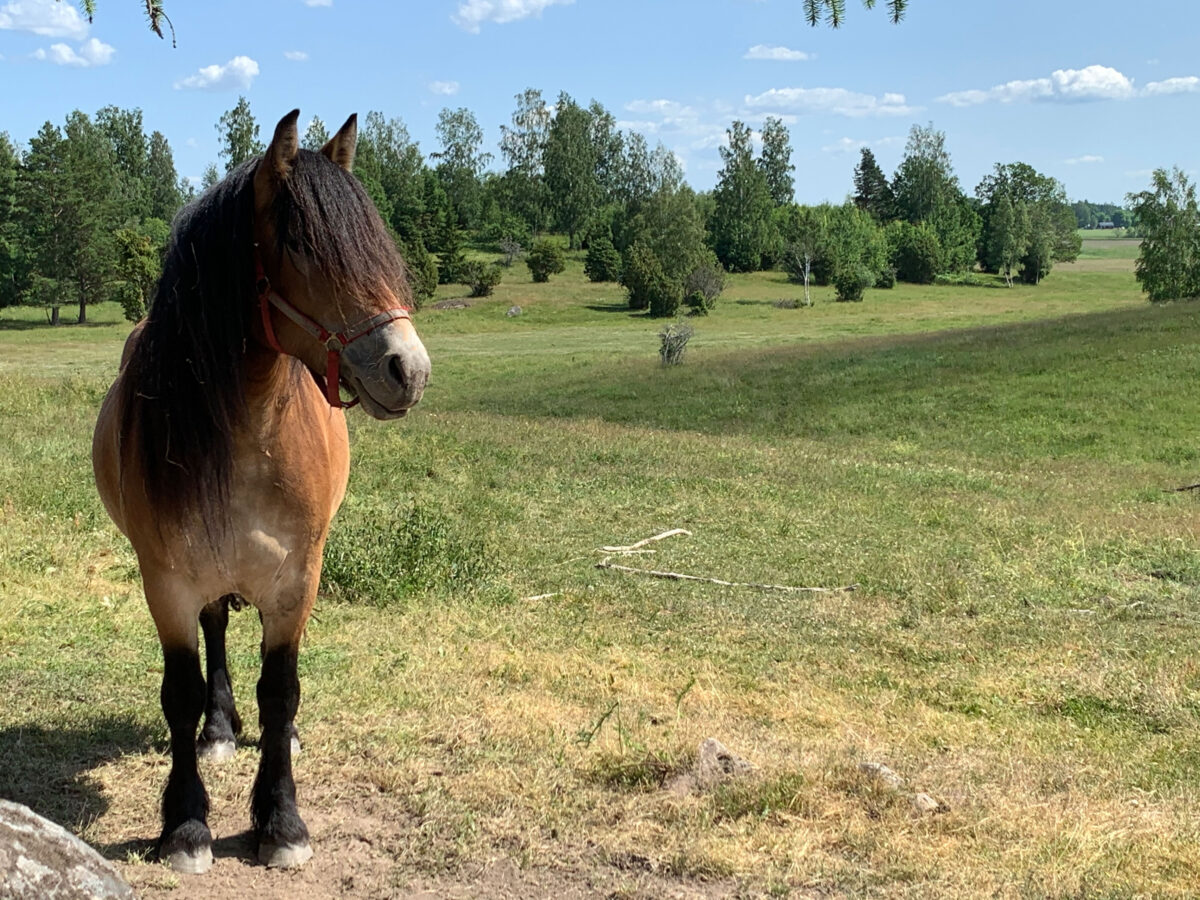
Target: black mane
pixel 184 383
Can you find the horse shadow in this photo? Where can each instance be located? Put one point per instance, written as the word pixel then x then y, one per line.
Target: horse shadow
pixel 49 770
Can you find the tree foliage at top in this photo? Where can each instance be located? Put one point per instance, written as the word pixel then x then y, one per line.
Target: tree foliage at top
pixel 834 11
pixel 1168 264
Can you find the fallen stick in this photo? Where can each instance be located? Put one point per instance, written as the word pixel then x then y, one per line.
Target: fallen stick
pixel 1186 487
pixel 649 540
pixel 679 576
pixel 540 597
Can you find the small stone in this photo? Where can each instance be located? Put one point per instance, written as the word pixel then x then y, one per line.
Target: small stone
pixel 883 774
pixel 681 785
pixel 718 762
pixel 42 860
pixel 923 803
pixel 513 311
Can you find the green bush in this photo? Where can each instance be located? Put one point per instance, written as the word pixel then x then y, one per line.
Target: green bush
pixel 915 251
pixel 481 278
pixel 421 270
pixel 603 262
pixel 704 285
pixel 544 259
pixel 852 282
pixel 648 285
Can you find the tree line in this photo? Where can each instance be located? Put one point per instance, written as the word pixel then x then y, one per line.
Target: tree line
pixel 84 208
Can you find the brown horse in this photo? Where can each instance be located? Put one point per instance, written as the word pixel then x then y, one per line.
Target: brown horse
pixel 221 450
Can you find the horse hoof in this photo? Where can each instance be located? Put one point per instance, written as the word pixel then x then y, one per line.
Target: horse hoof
pixel 195 862
pixel 284 856
pixel 295 746
pixel 217 751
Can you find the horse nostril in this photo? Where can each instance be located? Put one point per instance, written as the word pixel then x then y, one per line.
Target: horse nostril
pixel 396 370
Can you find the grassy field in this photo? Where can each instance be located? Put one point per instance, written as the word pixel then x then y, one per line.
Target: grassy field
pixel 485 713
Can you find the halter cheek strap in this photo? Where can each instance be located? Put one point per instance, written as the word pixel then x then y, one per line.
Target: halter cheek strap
pixel 333 341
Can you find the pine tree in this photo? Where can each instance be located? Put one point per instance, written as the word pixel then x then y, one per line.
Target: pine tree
pixel 741 227
pixel 239 135
pixel 14 249
pixel 570 161
pixel 316 135
pixel 872 192
pixel 162 181
pixel 776 161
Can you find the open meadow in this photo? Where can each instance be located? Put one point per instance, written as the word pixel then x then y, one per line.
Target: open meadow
pixel 485 713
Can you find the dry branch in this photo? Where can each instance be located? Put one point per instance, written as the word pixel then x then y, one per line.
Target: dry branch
pixel 649 540
pixel 1186 487
pixel 679 576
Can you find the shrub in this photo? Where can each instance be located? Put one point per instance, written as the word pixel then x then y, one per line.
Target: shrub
pixel 650 287
pixel 886 278
pixel 507 228
pixel 916 252
pixel 421 269
pixel 544 259
pixel 704 285
pixel 453 259
pixel 673 341
pixel 851 282
pixel 481 278
pixel 603 261
pixel 511 250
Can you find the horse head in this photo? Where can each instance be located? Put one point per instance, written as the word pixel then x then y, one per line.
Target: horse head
pixel 332 289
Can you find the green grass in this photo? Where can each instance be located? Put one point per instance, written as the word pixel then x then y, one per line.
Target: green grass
pixel 990 465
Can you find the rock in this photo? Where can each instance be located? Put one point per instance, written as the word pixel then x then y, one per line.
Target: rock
pixel 42 860
pixel 681 785
pixel 923 803
pixel 882 774
pixel 513 311
pixel 718 763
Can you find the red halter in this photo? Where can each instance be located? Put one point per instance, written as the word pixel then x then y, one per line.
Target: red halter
pixel 333 342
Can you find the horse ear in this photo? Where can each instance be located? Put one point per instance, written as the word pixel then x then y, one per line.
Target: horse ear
pixel 341 146
pixel 285 146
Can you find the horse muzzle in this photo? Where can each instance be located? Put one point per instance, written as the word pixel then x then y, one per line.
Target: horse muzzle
pixel 388 369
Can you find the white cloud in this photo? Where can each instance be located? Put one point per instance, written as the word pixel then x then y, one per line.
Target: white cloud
pixel 49 18
pixel 318 2
pixel 1063 85
pixel 837 101
pixel 778 54
pixel 444 88
pixel 473 13
pixel 1086 159
pixel 234 75
pixel 91 52
pixel 295 55
pixel 1188 85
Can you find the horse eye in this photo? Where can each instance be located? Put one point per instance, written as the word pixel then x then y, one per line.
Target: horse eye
pixel 294 246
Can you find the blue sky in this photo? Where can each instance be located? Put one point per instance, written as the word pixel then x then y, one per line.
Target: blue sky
pixel 1096 93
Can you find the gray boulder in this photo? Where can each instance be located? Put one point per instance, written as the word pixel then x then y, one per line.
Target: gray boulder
pixel 41 860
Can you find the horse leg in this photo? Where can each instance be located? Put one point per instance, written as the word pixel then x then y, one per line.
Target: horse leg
pixel 221 720
pixel 262 655
pixel 186 842
pixel 282 834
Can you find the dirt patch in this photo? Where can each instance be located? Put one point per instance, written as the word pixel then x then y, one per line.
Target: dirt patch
pixel 363 848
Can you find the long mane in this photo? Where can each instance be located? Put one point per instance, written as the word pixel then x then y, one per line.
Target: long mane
pixel 184 391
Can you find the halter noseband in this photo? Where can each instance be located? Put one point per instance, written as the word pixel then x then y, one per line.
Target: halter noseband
pixel 334 342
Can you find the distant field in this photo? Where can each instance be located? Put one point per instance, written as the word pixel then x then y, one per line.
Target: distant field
pixel 991 466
